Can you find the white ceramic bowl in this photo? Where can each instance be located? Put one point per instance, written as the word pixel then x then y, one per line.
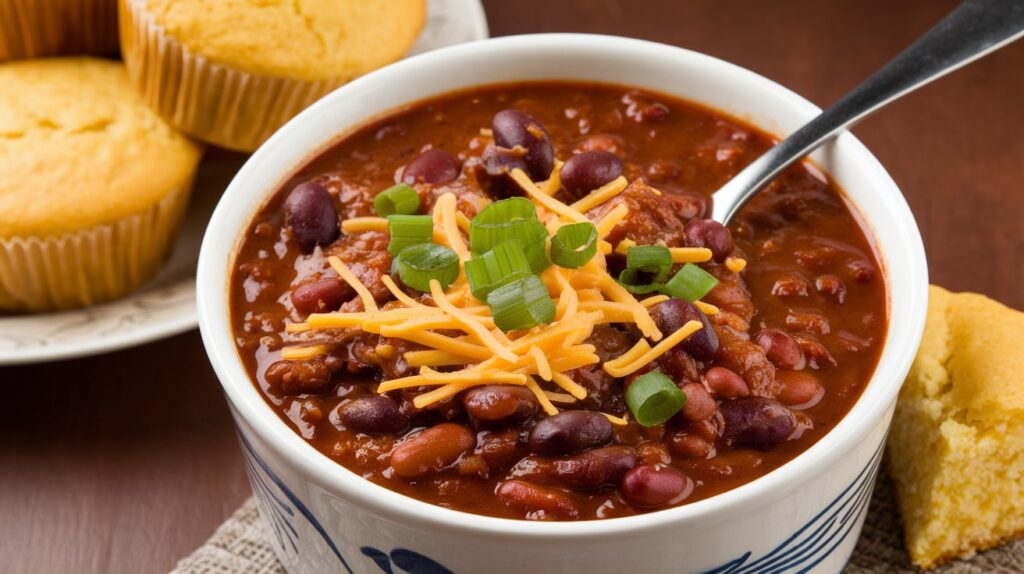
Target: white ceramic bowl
pixel 805 516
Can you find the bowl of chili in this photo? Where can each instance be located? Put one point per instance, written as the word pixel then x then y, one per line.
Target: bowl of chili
pixel 715 401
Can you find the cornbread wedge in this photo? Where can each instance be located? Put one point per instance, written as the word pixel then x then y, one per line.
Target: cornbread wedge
pixel 957 441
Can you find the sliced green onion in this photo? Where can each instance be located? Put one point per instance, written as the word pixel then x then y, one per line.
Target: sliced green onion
pixel 537 255
pixel 638 289
pixel 418 264
pixel 499 266
pixel 505 210
pixel 574 245
pixel 690 283
pixel 521 304
pixel 401 199
pixel 653 259
pixel 409 230
pixel 653 399
pixel 513 219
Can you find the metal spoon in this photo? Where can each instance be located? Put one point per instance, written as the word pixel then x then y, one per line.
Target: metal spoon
pixel 974 29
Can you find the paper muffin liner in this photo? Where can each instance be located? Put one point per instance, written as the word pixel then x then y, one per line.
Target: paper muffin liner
pixel 215 103
pixel 90 266
pixel 36 28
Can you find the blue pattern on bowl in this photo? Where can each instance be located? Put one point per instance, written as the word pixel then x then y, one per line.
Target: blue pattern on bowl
pixel 799 553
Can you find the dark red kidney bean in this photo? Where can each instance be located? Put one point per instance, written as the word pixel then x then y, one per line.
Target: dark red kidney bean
pixel 312 376
pixel 493 169
pixel 790 286
pixel 513 128
pixel 569 432
pixel 671 315
pixel 781 349
pixel 689 445
pixel 700 405
pixel 831 287
pixel 643 109
pixel 500 402
pixel 860 270
pixel 321 295
pixel 652 486
pixel 432 166
pixel 431 450
pixel 711 234
pixel 587 171
pixel 799 390
pixel 594 468
pixel 756 422
pixel 371 414
pixel 725 383
pixel 532 499
pixel 309 211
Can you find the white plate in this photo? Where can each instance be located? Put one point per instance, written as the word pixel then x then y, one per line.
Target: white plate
pixel 167 305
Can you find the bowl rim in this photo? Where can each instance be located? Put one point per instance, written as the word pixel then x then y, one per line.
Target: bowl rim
pixel 220 245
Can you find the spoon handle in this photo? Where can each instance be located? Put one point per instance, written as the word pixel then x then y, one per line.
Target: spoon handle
pixel 974 29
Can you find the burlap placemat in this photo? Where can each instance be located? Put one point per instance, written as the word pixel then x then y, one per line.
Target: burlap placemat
pixel 240 546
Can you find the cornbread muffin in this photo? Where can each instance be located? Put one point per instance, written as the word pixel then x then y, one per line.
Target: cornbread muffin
pixel 36 28
pixel 957 441
pixel 92 184
pixel 231 72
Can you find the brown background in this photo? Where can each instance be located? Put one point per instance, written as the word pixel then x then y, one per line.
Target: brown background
pixel 126 462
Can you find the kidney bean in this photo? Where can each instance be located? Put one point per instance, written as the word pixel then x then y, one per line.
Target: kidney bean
pixel 808 321
pixel 725 383
pixel 587 171
pixel 689 445
pixel 757 422
pixel 535 500
pixel 711 234
pixel 799 390
pixel 861 271
pixel 642 109
pixel 818 357
pixel 321 295
pixel 651 486
pixel 500 402
pixel 790 286
pixel 700 405
pixel 311 376
pixel 493 169
pixel 598 467
pixel 671 315
pixel 309 211
pixel 831 287
pixel 371 414
pixel 513 128
pixel 570 431
pixel 781 349
pixel 501 449
pixel 432 166
pixel 431 450
pixel 816 257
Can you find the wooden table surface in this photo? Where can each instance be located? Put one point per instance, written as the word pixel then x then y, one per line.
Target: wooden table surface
pixel 126 462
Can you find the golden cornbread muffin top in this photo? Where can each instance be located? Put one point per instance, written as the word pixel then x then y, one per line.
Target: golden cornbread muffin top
pixel 79 148
pixel 302 39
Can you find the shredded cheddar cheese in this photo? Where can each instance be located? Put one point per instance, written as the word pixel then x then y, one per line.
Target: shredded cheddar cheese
pixel 735 264
pixel 457 333
pixel 600 195
pixel 302 353
pixel 690 254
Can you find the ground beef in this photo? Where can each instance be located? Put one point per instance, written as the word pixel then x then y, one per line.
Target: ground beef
pixel 604 392
pixel 366 254
pixel 652 218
